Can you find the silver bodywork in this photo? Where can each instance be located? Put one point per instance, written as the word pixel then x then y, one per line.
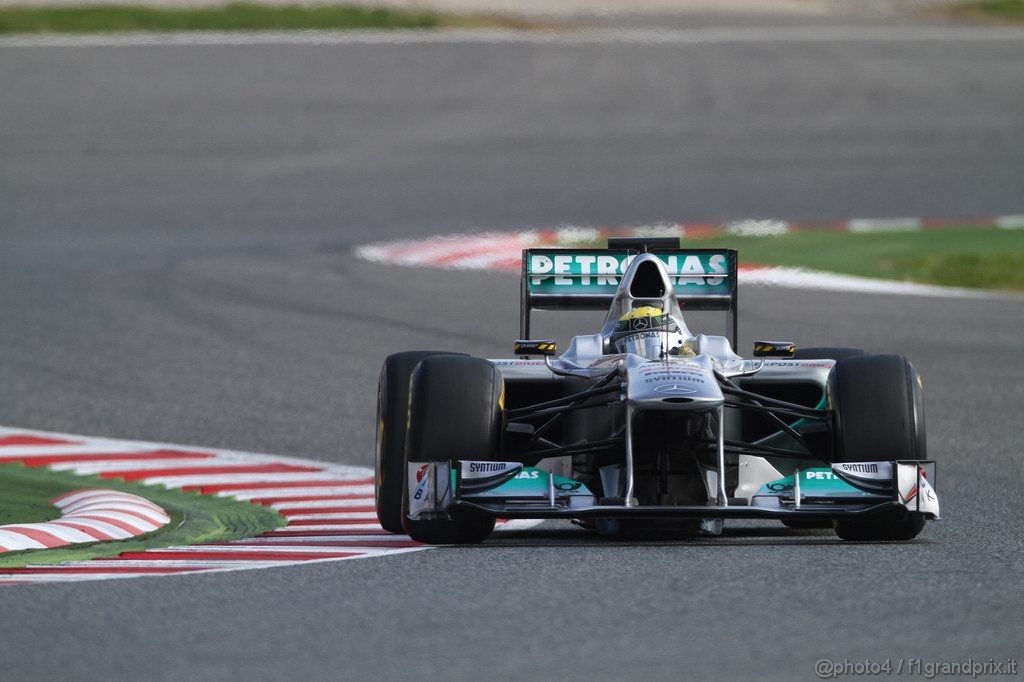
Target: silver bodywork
pixel 686 384
pixel 682 384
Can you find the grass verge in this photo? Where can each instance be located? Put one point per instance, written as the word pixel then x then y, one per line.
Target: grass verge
pixel 21 503
pixel 989 258
pixel 973 257
pixel 25 494
pixel 998 11
pixel 233 17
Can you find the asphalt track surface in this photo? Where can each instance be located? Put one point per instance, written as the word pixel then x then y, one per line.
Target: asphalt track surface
pixel 175 235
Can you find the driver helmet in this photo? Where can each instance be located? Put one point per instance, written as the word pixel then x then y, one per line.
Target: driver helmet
pixel 648 332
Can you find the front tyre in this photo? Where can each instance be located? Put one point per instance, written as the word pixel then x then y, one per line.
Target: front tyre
pixel 456 411
pixel 821 353
pixel 879 412
pixel 392 417
pixel 900 525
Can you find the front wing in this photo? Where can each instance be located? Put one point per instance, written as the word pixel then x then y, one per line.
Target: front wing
pixel 510 490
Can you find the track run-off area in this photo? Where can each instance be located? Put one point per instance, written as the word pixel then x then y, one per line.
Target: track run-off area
pixel 328 507
pixel 502 252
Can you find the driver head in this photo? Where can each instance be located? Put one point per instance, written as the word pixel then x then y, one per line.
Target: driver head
pixel 648 332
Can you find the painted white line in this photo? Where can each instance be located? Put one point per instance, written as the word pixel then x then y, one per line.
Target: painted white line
pixel 275 550
pixel 360 538
pixel 221 479
pixel 666 230
pixel 48 574
pixel 97 444
pixel 158 563
pixel 313 505
pixel 1010 222
pixel 577 234
pixel 90 468
pixel 450 248
pixel 56 576
pixel 260 493
pixel 332 527
pixel 19 451
pixel 340 516
pixel 885 225
pixel 798 278
pixel 481 261
pixel 652 37
pixel 757 228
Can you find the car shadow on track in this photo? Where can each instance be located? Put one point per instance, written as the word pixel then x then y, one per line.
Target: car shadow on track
pixel 550 535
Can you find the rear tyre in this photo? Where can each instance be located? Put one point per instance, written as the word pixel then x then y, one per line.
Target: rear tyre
pixel 392 418
pixel 879 412
pixel 826 353
pixel 455 412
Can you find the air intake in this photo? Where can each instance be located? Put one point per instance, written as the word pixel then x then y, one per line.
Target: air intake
pixel 647 282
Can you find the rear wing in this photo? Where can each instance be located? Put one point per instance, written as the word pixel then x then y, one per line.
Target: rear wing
pixel 587 279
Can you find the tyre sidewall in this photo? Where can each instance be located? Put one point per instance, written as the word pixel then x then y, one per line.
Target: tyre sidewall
pixel 878 413
pixel 877 409
pixel 455 412
pixel 389 443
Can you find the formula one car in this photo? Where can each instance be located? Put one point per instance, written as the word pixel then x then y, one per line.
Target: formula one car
pixel 645 426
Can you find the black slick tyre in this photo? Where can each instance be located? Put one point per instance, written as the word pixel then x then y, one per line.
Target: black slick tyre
pixel 392 417
pixel 826 353
pixel 890 527
pixel 821 353
pixel 879 414
pixel 455 412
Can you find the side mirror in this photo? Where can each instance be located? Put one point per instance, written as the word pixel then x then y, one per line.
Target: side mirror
pixel 774 349
pixel 525 347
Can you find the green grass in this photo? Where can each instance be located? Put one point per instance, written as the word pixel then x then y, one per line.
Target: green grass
pixel 25 495
pixel 978 257
pixel 233 17
pixel 28 502
pixel 982 271
pixel 989 258
pixel 1007 11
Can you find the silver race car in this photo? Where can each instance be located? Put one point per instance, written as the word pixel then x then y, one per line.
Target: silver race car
pixel 645 426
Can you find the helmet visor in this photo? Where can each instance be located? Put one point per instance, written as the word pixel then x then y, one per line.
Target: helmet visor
pixel 649 345
pixel 643 322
